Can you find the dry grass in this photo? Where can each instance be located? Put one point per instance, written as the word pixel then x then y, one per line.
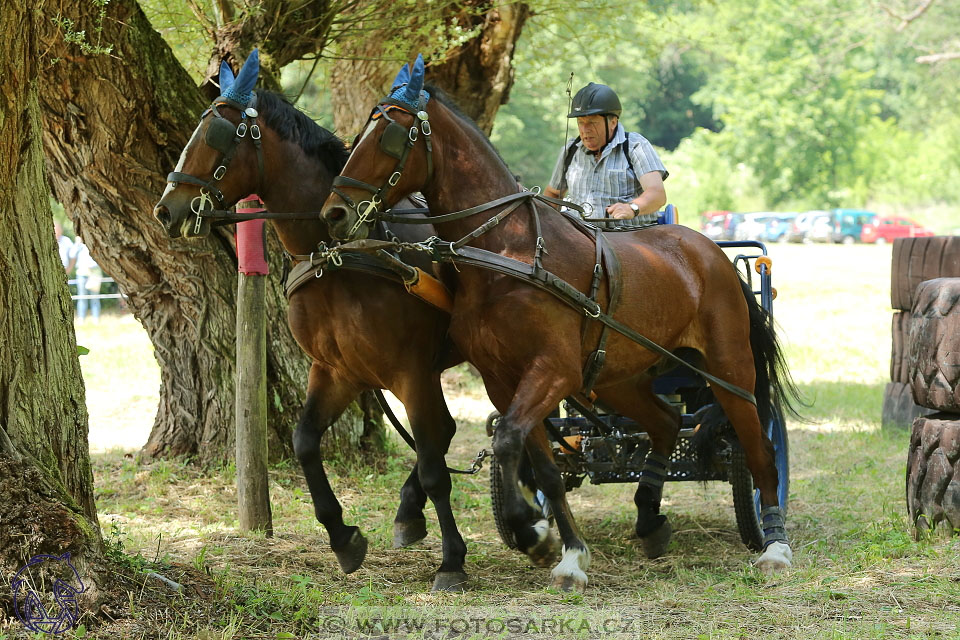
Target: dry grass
pixel 858 573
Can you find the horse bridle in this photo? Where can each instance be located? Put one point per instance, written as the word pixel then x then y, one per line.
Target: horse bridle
pixel 225 138
pixel 396 141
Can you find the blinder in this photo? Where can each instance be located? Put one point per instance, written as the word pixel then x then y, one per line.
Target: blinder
pixel 220 133
pixel 394 139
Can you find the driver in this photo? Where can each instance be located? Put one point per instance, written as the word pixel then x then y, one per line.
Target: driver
pixel 610 172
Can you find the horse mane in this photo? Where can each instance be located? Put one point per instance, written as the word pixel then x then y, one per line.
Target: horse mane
pixel 292 124
pixel 443 98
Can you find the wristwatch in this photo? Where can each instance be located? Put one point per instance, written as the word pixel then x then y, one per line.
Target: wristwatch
pixel 635 207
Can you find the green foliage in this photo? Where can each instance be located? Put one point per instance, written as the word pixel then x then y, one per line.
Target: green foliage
pixel 89 46
pixel 764 105
pixel 757 105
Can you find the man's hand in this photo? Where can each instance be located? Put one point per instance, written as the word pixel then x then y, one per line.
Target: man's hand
pixel 620 210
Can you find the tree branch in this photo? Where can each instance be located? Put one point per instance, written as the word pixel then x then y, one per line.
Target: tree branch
pixel 937 57
pixel 910 17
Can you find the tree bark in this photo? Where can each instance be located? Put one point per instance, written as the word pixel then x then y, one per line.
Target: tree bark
pixel 46 484
pixel 114 127
pixel 478 74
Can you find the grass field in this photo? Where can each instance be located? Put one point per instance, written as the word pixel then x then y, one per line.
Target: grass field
pixel 858 572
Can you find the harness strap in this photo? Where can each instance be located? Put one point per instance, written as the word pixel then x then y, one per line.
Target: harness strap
pixel 494 221
pixel 458 215
pixel 383 265
pixel 598 358
pixel 572 297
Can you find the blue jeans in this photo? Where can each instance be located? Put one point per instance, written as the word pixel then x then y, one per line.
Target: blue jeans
pixel 82 302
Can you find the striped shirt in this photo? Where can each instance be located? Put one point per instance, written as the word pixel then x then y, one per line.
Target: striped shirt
pixel 595 185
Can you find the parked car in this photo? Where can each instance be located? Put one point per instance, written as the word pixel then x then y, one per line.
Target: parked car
pixel 801 226
pixel 848 223
pixel 712 224
pixel 754 225
pixel 821 229
pixel 778 227
pixel 888 228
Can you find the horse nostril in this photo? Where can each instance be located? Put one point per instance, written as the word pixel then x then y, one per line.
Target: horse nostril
pixel 336 214
pixel 162 214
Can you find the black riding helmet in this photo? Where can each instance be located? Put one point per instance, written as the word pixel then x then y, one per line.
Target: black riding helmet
pixel 595 99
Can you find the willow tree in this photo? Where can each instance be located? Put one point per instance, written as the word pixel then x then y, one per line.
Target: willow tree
pixel 46 484
pixel 118 107
pixel 475 66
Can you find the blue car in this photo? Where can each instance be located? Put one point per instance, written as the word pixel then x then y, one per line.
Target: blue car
pixel 778 227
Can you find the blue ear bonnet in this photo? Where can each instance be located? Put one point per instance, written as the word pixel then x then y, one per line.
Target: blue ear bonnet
pixel 408 85
pixel 240 89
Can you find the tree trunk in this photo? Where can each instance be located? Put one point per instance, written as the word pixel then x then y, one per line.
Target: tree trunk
pixel 478 74
pixel 114 126
pixel 46 484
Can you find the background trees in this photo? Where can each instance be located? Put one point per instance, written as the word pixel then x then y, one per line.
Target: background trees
pixel 755 104
pixel 759 104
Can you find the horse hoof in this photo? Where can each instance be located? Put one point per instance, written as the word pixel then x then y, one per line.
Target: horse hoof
pixel 545 551
pixel 351 555
pixel 776 557
pixel 655 544
pixel 409 532
pixel 571 583
pixel 450 581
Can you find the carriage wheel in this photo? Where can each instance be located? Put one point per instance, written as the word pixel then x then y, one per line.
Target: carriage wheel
pixel 746 499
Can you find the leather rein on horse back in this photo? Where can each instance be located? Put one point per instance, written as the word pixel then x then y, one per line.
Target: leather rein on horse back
pixel 534 274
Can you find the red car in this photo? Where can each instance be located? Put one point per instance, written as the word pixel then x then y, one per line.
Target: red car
pixel 888 228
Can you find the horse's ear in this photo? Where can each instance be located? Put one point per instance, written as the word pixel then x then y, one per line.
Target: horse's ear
pixel 402 78
pixel 415 85
pixel 242 88
pixel 226 76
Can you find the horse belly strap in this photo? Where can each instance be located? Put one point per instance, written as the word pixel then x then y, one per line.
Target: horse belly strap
pixel 595 361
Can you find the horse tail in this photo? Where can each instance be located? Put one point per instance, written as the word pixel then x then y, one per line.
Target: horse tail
pixel 775 390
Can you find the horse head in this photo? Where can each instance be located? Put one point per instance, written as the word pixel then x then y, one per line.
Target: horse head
pixel 222 162
pixel 391 159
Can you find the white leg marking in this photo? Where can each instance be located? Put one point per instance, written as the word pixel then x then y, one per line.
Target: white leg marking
pixel 777 556
pixel 573 564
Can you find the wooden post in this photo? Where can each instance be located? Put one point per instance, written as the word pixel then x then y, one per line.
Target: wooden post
pixel 253 488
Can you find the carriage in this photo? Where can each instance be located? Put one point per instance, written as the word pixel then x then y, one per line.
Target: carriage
pixel 604 447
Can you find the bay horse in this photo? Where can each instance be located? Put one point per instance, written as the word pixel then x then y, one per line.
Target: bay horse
pixel 349 323
pixel 678 289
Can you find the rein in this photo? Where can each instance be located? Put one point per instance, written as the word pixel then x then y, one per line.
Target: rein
pixel 457 252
